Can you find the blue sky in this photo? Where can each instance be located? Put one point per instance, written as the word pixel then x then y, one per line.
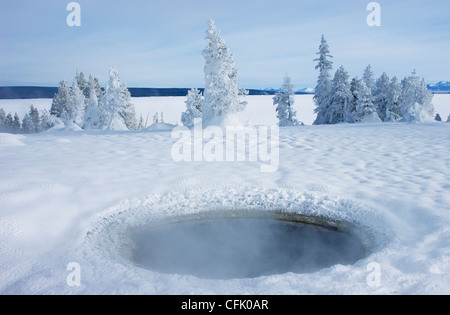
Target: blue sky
pixel 158 43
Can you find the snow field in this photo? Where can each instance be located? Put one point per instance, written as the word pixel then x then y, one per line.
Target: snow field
pixel 69 196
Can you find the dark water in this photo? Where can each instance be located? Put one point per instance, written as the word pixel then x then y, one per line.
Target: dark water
pixel 242 248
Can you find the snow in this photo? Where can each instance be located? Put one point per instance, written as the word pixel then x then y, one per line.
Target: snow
pixel 69 196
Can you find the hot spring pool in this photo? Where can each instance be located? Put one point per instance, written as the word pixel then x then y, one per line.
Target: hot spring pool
pixel 242 247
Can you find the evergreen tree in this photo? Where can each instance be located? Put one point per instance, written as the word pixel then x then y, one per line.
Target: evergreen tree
pixel 221 89
pixel 35 120
pixel 366 109
pixel 368 78
pixel 393 111
pixel 82 84
pixel 118 112
pixel 285 104
pixel 16 124
pixel 355 88
pixel 341 98
pixel 448 119
pixel 47 121
pixel 92 116
pixel 380 94
pixel 323 89
pixel 76 108
pixel 94 84
pixel 2 119
pixel 8 123
pixel 27 124
pixel 438 117
pixel 60 104
pixel 194 108
pixel 416 105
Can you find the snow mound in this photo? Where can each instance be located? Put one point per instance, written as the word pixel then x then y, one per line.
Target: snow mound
pixel 223 122
pixel 372 118
pixel 116 124
pixel 64 128
pixel 10 140
pixel 160 127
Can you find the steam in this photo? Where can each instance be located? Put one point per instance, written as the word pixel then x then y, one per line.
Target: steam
pixel 241 248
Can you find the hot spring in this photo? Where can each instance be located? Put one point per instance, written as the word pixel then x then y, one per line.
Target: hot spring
pixel 229 245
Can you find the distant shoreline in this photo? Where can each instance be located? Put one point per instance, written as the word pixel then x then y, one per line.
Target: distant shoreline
pixel 36 92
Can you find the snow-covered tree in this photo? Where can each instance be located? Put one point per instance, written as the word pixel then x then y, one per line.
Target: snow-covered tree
pixel 323 89
pixel 341 98
pixel 366 109
pixel 60 104
pixel 76 107
pixel 92 116
pixel 194 108
pixel 355 89
pixel 2 119
pixel 368 77
pixel 16 124
pixel 221 96
pixel 381 96
pixel 393 111
pixel 8 123
pixel 94 84
pixel 416 105
pixel 82 84
pixel 438 117
pixel 47 121
pixel 27 124
pixel 284 102
pixel 119 112
pixel 448 119
pixel 35 120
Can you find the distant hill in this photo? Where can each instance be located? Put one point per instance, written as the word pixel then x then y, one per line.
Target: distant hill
pixel 441 87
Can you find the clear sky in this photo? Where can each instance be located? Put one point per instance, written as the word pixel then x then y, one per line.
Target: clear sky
pixel 158 43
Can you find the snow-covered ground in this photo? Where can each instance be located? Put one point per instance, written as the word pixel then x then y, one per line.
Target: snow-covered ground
pixel 69 197
pixel 260 109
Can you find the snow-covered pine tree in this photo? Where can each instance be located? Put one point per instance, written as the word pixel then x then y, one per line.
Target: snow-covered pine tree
pixel 92 116
pixel 366 109
pixel 448 119
pixel 355 88
pixel 60 104
pixel 47 121
pixel 76 108
pixel 94 84
pixel 2 119
pixel 221 96
pixel 194 108
pixel 381 95
pixel 368 77
pixel 16 124
pixel 285 104
pixel 27 124
pixel 323 89
pixel 35 120
pixel 393 111
pixel 82 84
pixel 116 105
pixel 341 98
pixel 416 105
pixel 438 117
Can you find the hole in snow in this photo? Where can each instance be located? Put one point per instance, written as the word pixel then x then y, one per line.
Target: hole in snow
pixel 213 246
